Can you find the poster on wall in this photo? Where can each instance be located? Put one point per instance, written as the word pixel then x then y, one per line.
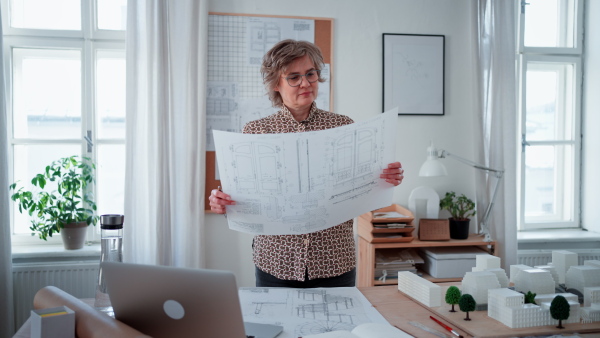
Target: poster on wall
pixel 413 73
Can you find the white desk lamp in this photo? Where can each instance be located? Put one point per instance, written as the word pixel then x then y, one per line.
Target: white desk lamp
pixel 434 167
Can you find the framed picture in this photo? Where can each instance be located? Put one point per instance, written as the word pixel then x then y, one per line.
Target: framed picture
pixel 413 73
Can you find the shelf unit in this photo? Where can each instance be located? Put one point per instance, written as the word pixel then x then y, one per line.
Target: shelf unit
pixel 367 248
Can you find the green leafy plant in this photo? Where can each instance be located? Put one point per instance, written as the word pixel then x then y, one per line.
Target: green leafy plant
pixel 560 310
pixel 467 303
pixel 51 210
pixel 530 297
pixel 460 207
pixel 452 296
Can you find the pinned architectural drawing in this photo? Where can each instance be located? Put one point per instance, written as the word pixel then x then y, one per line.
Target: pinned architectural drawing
pixel 304 182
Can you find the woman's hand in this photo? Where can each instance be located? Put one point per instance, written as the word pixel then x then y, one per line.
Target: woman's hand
pixel 394 173
pixel 219 201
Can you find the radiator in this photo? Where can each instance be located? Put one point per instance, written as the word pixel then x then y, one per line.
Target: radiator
pixel 543 257
pixel 76 278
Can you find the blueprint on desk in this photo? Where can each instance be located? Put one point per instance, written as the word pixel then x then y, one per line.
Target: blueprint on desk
pixel 299 183
pixel 308 311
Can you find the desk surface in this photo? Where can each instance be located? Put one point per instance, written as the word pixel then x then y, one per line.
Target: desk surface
pixel 399 309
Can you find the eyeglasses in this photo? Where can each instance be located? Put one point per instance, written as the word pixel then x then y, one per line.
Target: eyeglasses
pixel 296 79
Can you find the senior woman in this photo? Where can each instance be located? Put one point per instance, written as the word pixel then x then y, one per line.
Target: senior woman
pixel 326 258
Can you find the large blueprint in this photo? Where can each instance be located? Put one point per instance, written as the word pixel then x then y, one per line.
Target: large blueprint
pixel 303 182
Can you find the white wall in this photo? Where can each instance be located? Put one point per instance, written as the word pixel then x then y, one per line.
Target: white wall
pixel 357 81
pixel 591 121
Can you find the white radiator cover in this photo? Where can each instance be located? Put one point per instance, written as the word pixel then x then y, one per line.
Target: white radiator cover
pixel 543 257
pixel 76 278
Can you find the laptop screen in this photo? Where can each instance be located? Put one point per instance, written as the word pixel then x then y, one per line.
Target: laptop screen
pixel 165 301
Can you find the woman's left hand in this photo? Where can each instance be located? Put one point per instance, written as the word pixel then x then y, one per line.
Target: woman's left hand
pixel 394 173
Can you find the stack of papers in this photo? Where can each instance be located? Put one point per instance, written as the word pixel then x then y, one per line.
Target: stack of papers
pixel 389 262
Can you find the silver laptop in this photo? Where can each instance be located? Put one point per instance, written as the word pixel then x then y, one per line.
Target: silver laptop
pixel 165 301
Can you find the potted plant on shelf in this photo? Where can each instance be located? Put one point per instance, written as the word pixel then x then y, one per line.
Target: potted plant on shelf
pixel 58 202
pixel 461 208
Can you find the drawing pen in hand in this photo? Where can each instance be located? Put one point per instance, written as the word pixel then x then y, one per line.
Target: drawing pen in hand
pixel 446 327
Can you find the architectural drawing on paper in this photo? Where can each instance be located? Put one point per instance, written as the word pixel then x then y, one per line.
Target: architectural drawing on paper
pixel 303 182
pixel 308 311
pixel 263 37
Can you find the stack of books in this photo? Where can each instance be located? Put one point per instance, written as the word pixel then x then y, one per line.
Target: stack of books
pixel 389 262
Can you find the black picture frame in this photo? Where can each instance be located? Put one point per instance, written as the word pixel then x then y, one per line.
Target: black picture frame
pixel 413 73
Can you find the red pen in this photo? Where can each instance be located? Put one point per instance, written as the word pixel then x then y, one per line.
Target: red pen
pixel 446 327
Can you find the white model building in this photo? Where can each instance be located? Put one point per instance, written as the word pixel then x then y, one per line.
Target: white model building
pixel 535 280
pixel 552 270
pixel 509 308
pixel 515 269
pixel 591 295
pixel 420 289
pixel 477 284
pixel 581 276
pixel 486 262
pixel 563 260
pixel 591 302
pixel 592 262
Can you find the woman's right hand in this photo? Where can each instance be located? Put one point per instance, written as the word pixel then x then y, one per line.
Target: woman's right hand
pixel 219 201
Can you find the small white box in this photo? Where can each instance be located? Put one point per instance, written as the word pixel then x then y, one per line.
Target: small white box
pixel 450 262
pixel 56 322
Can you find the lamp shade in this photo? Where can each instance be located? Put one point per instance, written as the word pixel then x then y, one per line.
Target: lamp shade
pixel 432 166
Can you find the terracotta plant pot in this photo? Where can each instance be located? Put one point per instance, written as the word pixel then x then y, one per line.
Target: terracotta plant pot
pixel 459 229
pixel 73 235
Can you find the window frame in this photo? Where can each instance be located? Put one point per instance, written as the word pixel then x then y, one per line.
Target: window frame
pixel 88 41
pixel 557 55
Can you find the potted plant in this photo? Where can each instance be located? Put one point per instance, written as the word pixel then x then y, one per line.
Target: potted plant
pixel 62 206
pixel 461 208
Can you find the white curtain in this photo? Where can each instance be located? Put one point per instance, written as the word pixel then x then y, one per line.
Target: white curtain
pixel 166 81
pixel 6 306
pixel 494 30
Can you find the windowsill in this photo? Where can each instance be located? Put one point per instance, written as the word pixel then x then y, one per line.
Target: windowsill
pixel 53 253
pixel 558 239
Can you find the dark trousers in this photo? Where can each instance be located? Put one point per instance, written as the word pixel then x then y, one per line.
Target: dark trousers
pixel 267 280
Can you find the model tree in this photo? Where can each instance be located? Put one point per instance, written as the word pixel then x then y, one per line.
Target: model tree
pixel 560 310
pixel 530 297
pixel 466 303
pixel 453 296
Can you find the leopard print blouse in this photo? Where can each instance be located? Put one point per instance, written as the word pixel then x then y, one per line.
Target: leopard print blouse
pixel 326 253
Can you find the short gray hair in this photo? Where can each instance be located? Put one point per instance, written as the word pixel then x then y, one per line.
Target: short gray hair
pixel 280 57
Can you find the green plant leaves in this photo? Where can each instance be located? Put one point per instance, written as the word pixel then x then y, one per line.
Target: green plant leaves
pixel 51 209
pixel 460 207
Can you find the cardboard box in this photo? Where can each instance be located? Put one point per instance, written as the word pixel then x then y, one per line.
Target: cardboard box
pixel 56 322
pixel 450 262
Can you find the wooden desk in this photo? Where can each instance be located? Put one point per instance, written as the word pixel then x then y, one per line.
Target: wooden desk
pixel 399 309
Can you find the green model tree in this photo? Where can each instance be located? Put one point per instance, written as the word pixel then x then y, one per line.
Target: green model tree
pixel 530 297
pixel 560 310
pixel 453 296
pixel 466 303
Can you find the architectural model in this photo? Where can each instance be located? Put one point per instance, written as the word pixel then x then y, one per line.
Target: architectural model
pixel 552 271
pixel 420 289
pixel 478 283
pixel 508 306
pixel 535 280
pixel 563 260
pixel 580 276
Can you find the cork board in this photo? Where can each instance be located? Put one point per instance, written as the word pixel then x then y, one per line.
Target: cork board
pixel 323 39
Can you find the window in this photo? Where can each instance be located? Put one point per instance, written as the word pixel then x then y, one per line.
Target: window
pixel 65 70
pixel 550 69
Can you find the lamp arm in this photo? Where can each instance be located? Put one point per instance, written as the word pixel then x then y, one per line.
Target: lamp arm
pixel 488 211
pixel 497 172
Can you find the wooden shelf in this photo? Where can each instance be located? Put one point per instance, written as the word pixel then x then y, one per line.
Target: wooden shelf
pixel 368 245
